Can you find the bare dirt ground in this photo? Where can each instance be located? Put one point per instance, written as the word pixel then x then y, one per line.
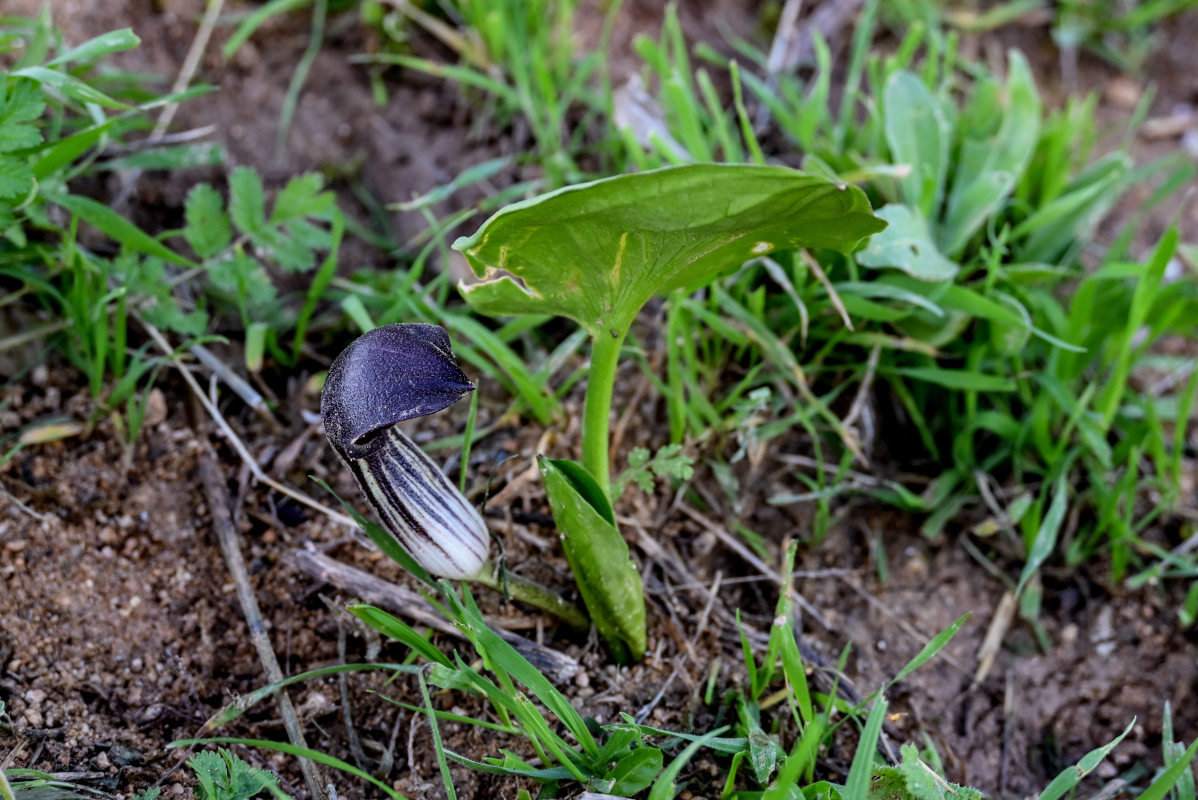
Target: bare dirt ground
pixel 120 630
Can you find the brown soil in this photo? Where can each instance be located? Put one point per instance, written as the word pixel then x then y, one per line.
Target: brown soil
pixel 120 630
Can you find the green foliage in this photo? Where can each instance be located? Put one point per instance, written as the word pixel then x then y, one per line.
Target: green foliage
pixel 669 464
pixel 54 127
pixel 520 53
pixel 1122 33
pixel 1008 362
pixel 224 776
pixel 915 780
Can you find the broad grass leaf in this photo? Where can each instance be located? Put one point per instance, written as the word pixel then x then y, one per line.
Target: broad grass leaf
pixel 101 46
pixel 596 252
pixel 1063 783
pixel 989 168
pixel 112 224
pixel 636 771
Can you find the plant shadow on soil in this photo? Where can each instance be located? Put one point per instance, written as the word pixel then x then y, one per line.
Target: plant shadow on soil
pixel 120 630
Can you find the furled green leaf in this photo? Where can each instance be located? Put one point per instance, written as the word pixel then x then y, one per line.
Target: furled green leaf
pixel 208 230
pixel 598 251
pixel 907 244
pixel 598 556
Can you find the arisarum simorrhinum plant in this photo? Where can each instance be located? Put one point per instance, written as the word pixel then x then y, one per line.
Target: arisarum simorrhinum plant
pixel 599 251
pixel 386 376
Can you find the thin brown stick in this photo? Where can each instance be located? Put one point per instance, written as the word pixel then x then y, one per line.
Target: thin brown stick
pixel 233 439
pixel 822 277
pixel 191 63
pixel 222 520
pixel 742 550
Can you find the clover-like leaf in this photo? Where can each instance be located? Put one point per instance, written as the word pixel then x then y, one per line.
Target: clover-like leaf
pixel 596 252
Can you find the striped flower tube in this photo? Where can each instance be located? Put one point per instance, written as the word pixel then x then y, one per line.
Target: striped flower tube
pixel 394 373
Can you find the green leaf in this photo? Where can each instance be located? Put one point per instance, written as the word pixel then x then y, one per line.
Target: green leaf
pixel 302 197
pixel 636 771
pixel 16 179
pixel 208 230
pixel 70 86
pixel 988 169
pixel 1072 776
pixel 607 578
pixel 665 788
pixel 1046 537
pixel 20 103
pixel 113 224
pixel 247 200
pixel 907 245
pixel 963 380
pixel 103 45
pixel 919 135
pixel 858 781
pixel 57 155
pixel 596 252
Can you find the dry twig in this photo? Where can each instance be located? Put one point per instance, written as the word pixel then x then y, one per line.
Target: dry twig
pixel 222 520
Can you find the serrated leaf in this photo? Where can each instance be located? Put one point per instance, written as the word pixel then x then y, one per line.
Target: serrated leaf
pixel 247 200
pixel 21 102
pixel 242 276
pixel 208 230
pixel 921 781
pixel 169 316
pixel 596 252
pixel 302 197
pixel 607 578
pixel 16 179
pixel 18 137
pixel 907 244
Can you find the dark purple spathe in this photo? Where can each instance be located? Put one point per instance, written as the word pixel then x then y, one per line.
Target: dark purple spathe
pixel 388 375
pixel 385 376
